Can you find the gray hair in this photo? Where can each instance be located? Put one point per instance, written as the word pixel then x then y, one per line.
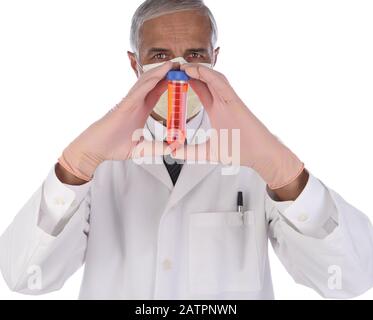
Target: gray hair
pixel 155 8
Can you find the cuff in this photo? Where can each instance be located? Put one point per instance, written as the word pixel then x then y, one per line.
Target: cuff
pixel 313 213
pixel 58 200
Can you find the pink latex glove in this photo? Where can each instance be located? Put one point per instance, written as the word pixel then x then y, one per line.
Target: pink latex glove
pixel 110 138
pixel 259 148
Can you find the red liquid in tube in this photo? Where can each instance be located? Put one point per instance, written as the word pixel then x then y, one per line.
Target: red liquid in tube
pixel 177 103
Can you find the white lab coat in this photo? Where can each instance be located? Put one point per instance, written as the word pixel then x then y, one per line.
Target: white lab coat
pixel 142 238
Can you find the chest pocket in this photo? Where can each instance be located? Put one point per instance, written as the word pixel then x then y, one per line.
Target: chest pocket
pixel 223 254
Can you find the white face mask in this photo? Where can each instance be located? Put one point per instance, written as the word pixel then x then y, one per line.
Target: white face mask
pixel 194 104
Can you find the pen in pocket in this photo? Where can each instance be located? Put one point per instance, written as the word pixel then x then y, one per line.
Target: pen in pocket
pixel 240 203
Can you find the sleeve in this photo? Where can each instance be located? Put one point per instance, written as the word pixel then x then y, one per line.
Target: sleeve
pixel 46 242
pixel 59 202
pixel 324 242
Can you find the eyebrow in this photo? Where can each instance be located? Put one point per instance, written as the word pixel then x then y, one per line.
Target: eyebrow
pixel 158 50
pixel 199 50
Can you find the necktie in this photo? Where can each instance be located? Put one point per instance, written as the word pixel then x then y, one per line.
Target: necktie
pixel 173 166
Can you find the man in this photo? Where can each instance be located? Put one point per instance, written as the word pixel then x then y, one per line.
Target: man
pixel 162 230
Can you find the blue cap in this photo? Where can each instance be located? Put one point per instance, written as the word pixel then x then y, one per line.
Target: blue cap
pixel 177 76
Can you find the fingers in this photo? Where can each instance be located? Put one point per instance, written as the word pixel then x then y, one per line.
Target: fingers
pixel 151 149
pixel 215 81
pixel 219 148
pixel 197 153
pixel 192 154
pixel 154 95
pixel 149 80
pixel 205 74
pixel 157 73
pixel 203 92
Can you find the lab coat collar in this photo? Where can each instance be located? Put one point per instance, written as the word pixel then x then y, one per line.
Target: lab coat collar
pixel 191 174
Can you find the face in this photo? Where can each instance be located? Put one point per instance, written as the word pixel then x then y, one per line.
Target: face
pixel 184 34
pixel 181 34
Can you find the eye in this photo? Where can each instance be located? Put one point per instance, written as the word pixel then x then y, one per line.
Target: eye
pixel 195 55
pixel 160 56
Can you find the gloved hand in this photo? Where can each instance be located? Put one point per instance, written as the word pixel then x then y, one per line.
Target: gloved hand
pixel 258 147
pixel 111 137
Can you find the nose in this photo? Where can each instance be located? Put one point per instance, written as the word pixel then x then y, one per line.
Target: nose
pixel 176 66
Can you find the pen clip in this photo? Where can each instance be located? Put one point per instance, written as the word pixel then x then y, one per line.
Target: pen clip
pixel 240 204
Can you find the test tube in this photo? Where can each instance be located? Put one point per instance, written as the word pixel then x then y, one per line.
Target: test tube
pixel 177 104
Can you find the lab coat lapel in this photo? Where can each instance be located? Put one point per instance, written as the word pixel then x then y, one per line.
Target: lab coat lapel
pixel 155 166
pixel 191 174
pixel 159 171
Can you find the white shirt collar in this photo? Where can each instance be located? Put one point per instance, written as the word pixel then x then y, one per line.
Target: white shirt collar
pixel 159 131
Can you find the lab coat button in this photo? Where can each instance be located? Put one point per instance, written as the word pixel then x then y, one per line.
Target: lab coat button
pixel 302 217
pixel 167 264
pixel 59 201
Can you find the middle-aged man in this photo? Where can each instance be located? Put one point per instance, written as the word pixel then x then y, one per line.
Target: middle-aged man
pixel 170 230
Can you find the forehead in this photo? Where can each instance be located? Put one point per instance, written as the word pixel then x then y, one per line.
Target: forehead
pixel 186 27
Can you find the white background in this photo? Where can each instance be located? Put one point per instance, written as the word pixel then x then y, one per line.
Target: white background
pixel 305 68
